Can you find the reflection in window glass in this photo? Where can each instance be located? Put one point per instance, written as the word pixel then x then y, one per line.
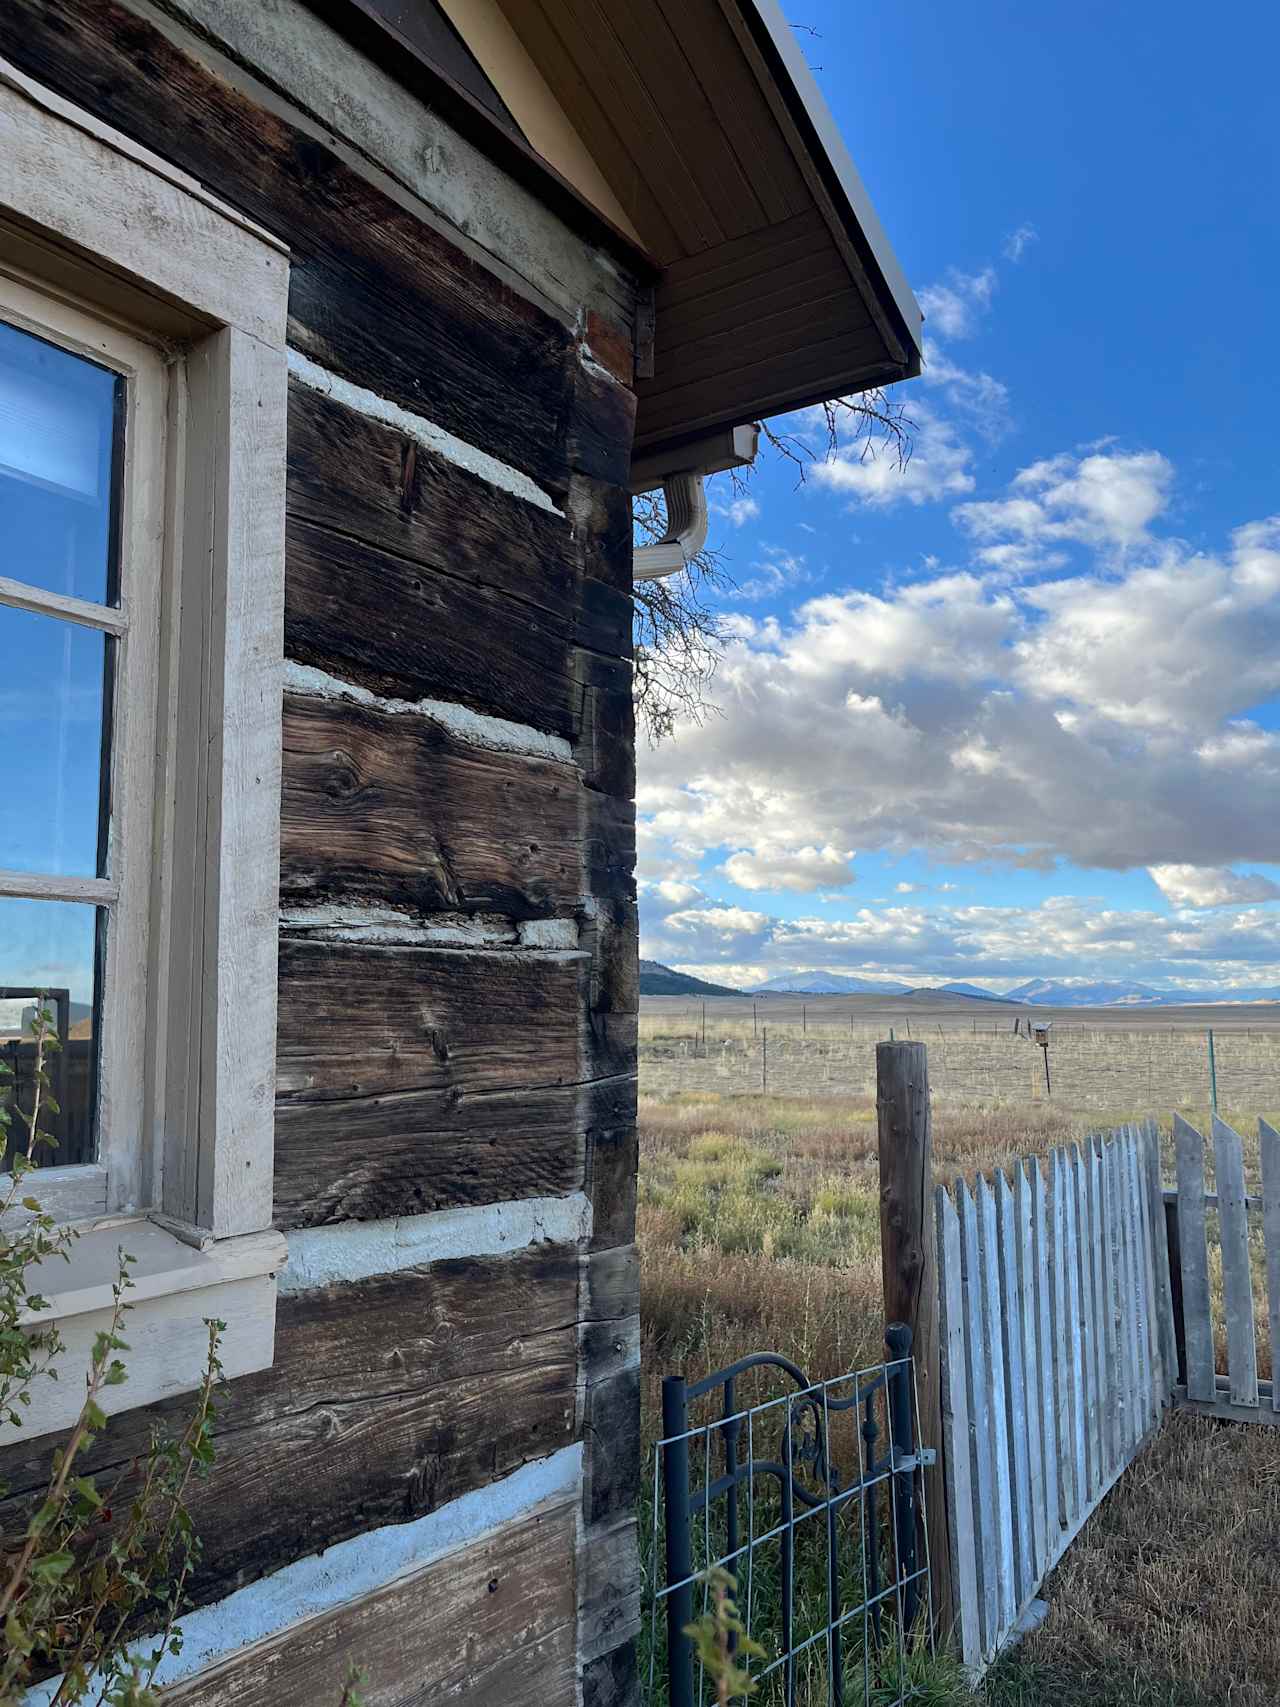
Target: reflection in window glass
pixel 59 441
pixel 51 947
pixel 53 739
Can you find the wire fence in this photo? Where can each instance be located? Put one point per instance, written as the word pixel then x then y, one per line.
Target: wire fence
pixel 811 1500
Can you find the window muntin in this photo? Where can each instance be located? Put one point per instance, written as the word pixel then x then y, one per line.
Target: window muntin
pixel 82 424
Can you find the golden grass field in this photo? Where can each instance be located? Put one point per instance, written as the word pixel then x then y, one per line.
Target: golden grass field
pixel 759 1230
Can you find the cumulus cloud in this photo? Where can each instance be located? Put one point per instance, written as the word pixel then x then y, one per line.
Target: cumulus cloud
pixel 939 467
pixel 954 308
pixel 1212 885
pixel 1101 718
pixel 801 869
pixel 1104 499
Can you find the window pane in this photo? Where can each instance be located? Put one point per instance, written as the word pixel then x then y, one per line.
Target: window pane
pixel 54 730
pixel 51 946
pixel 59 430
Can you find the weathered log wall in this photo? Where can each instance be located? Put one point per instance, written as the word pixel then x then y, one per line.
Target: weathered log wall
pixel 457 975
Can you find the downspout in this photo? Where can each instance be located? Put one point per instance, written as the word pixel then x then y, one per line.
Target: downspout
pixel 686 502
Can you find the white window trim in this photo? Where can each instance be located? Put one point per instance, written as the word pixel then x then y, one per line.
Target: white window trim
pixel 96 222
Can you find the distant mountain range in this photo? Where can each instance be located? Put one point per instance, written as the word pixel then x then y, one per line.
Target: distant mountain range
pixel 659 980
pixel 825 984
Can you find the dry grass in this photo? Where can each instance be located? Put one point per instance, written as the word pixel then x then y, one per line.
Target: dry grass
pixel 759 1230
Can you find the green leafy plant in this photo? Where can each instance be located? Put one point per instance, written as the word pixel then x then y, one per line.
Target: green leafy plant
pixel 720 1639
pixel 90 1568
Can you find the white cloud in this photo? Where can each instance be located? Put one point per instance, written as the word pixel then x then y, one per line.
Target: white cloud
pixel 1101 719
pixel 981 398
pixel 955 308
pixel 1065 936
pixel 1103 499
pixel 1018 242
pixel 939 466
pixel 800 869
pixel 1213 885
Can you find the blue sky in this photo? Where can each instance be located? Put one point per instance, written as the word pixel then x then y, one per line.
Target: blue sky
pixel 1016 710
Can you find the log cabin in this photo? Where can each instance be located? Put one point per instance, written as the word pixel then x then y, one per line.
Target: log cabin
pixel 335 337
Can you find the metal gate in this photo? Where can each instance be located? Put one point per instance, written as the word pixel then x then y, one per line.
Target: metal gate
pixel 812 1500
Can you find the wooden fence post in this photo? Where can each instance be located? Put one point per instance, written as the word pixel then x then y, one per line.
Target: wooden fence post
pixel 909 1265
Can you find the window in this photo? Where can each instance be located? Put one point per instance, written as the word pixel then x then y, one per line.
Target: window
pixel 142 400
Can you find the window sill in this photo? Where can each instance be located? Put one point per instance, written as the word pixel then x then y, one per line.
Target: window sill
pixel 176 1288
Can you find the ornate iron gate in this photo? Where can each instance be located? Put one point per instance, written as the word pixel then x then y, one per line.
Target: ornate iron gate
pixel 762 1478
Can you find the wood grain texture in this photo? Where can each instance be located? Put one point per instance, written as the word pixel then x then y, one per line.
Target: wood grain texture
pixel 1011 1318
pixel 361 613
pixel 397 809
pixel 1237 1276
pixel 981 1446
pixel 419 1079
pixel 499 1628
pixel 1033 1403
pixel 1269 1146
pixel 351 474
pixel 359 1020
pixel 388 1397
pixel 963 1619
pixel 997 1376
pixel 1194 1260
pixel 376 294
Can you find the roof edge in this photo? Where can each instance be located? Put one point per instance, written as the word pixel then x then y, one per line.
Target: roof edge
pixel 814 119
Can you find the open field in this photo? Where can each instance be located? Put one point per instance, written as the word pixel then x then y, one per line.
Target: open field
pixel 759 1229
pixel 1145 1061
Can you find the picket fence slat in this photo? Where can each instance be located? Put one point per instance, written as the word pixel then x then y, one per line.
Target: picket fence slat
pixel 979 1421
pixel 1164 1288
pixel 1033 1408
pixel 1125 1288
pixel 1110 1306
pixel 957 1442
pixel 1269 1145
pixel 1237 1274
pixel 1097 1313
pixel 993 1338
pixel 1015 1391
pixel 1044 1356
pixel 1194 1260
pixel 1146 1285
pixel 1075 1335
pixel 1057 1223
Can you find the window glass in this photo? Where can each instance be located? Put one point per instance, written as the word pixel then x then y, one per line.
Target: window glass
pixel 60 418
pixel 54 731
pixel 52 947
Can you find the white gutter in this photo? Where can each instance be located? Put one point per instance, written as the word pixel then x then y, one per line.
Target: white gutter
pixel 686 499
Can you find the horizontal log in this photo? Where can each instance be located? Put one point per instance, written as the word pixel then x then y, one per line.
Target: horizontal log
pixel 403 631
pixel 358 1020
pixel 408 1154
pixel 388 1398
pixel 612 1680
pixel 376 294
pixel 397 809
pixel 487 1623
pixel 357 476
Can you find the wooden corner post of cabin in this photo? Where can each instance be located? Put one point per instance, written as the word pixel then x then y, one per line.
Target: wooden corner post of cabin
pixel 909 1268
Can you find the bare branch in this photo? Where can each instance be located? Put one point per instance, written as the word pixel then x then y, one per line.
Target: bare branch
pixel 679 636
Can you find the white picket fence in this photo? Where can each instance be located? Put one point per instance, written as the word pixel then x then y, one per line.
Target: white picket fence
pixel 1058 1358
pixel 1238 1393
pixel 1072 1315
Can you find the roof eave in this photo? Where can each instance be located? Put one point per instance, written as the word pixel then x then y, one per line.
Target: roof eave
pixel 814 120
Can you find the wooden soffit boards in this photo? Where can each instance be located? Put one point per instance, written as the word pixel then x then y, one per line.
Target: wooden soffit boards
pixel 778 288
pixel 775 285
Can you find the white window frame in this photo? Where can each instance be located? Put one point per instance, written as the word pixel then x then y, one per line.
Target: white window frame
pixel 108 249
